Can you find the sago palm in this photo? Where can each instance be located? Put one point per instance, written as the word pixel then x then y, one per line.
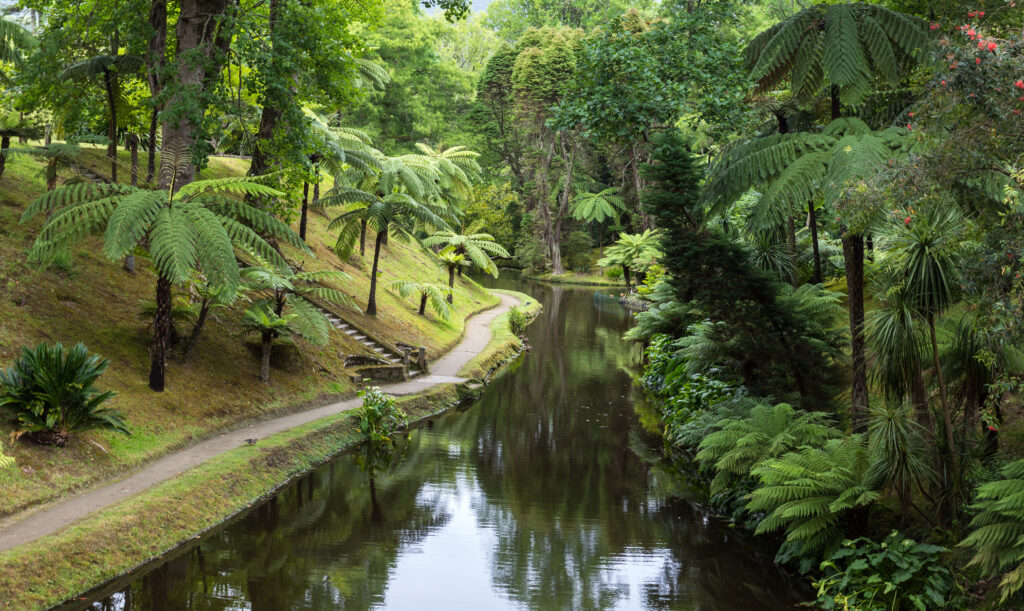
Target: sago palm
pixel 195 227
pixel 476 246
pixel 427 292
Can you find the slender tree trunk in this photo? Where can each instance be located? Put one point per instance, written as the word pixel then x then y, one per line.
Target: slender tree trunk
pixel 371 304
pixel 451 283
pixel 316 191
pixel 812 220
pixel 362 238
pixel 5 144
pixel 48 135
pixel 133 149
pixel 110 82
pixel 161 334
pixel 151 153
pixel 423 304
pixel 947 416
pixel 193 339
pixel 791 238
pixel 853 255
pixel 155 61
pixel 625 274
pixel 557 268
pixel 305 211
pixel 266 343
pixel 21 121
pixel 51 180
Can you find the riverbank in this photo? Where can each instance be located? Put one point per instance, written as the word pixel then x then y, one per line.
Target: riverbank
pixel 192 501
pixel 577 279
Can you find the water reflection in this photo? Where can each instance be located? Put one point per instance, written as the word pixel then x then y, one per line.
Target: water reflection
pixel 542 495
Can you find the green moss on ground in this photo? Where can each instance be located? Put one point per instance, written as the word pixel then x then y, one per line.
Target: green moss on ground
pixel 90 299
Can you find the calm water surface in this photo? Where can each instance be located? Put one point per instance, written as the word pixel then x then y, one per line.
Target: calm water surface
pixel 545 494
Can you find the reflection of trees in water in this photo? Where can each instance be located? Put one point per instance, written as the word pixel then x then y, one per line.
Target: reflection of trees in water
pixel 566 485
pixel 319 544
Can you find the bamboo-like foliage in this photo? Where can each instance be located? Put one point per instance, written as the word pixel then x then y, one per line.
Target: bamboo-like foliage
pixel 767 432
pixel 843 45
pixel 808 492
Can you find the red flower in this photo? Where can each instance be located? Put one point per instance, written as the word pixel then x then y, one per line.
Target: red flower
pixel 971 33
pixel 981 13
pixel 934 26
pixel 910 114
pixel 977 60
pixel 943 83
pixel 992 428
pixel 1019 84
pixel 981 43
pixel 952 66
pixel 992 47
pixel 909 126
pixel 971 14
pixel 906 221
pixel 1020 99
pixel 1016 111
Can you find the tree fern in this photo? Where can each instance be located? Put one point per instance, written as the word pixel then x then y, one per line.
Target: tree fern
pixel 768 432
pixel 842 44
pixel 808 492
pixel 428 293
pixel 997 531
pixel 598 207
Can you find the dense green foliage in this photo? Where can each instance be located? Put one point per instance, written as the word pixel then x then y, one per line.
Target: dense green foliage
pixel 50 391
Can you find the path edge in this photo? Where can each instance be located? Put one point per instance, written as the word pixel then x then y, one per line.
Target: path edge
pixel 130 534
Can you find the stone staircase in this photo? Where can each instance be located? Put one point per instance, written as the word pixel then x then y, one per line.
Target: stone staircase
pixel 387 361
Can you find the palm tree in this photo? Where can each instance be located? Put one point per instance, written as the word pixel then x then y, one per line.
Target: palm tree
pixel 195 227
pixel 283 305
pixel 452 261
pixel 632 251
pixel 925 254
pixel 475 246
pixel 397 200
pixel 427 292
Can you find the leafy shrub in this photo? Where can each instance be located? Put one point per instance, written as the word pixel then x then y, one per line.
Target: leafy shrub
pixel 897 573
pixel 998 529
pixel 379 416
pixel 613 273
pixel 654 275
pixel 50 392
pixel 517 320
pixel 809 491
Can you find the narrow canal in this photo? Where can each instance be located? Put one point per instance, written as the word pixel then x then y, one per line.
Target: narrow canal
pixel 546 493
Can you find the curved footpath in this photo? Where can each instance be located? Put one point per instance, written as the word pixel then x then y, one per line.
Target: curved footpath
pixel 22 528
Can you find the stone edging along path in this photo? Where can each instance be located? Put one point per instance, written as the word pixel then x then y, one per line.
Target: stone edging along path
pixel 21 528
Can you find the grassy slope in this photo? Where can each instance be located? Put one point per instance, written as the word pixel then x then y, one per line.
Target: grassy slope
pixel 92 300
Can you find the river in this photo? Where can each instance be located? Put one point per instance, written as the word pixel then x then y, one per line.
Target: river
pixel 547 493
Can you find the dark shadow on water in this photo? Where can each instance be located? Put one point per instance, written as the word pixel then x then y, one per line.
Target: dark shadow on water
pixel 546 494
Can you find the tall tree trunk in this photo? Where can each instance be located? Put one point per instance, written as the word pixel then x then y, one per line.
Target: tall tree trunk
pixel 451 283
pixel 133 150
pixel 812 220
pixel 48 135
pixel 919 397
pixel 423 304
pixel 625 274
pixel 791 239
pixel 266 344
pixel 271 114
pixel 161 334
pixel 155 60
pixel 853 255
pixel 305 210
pixel 110 83
pixel 5 144
pixel 541 195
pixel 362 238
pixel 947 415
pixel 563 206
pixel 316 191
pixel 193 339
pixel 371 304
pixel 204 34
pixel 21 121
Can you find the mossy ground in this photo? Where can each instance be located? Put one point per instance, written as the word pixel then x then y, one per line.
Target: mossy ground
pixel 88 298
